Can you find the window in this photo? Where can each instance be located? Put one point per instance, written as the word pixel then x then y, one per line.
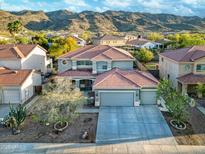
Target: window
pixel 104 67
pixel 87 63
pixel 168 76
pixel 200 68
pixel 162 59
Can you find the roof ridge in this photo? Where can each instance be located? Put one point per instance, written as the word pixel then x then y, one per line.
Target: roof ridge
pixel 106 76
pixel 139 72
pixel 126 53
pixel 61 56
pixel 18 52
pixel 92 47
pixel 103 52
pixel 127 78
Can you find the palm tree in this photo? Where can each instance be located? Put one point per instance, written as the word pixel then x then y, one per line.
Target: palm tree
pixel 14 27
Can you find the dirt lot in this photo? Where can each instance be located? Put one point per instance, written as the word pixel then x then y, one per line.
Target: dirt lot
pixel 195 132
pixel 36 132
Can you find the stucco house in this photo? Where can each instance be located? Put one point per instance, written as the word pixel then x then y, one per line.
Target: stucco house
pixel 110 40
pixel 80 41
pixel 184 67
pixel 108 72
pixel 28 56
pixel 17 86
pixel 143 43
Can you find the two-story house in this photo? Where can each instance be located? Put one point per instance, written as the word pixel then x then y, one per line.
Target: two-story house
pixel 184 67
pixel 109 73
pixel 28 56
pixel 21 67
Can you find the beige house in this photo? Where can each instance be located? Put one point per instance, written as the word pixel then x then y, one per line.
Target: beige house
pixel 184 67
pixel 110 40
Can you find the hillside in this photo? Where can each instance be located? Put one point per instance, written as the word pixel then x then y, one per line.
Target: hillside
pixel 109 21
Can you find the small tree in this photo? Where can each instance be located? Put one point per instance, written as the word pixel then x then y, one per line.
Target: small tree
pixel 144 55
pixel 177 107
pixel 165 89
pixel 60 102
pixel 14 28
pixel 200 88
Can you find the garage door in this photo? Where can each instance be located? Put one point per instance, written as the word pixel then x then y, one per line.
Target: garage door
pixel 117 99
pixel 148 97
pixel 12 96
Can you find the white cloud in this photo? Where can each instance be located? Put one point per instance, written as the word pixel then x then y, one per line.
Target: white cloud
pixel 118 3
pixel 81 3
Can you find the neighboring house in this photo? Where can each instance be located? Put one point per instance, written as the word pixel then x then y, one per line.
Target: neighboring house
pixel 108 71
pixel 79 40
pixel 184 67
pixel 4 38
pixel 24 57
pixel 110 40
pixel 17 86
pixel 143 43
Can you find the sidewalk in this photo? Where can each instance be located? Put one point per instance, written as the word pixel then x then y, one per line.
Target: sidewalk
pixel 125 148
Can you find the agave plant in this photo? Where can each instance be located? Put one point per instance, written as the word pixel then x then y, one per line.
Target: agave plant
pixel 19 114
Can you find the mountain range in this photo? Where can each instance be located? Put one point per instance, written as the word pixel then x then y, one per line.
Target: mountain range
pixel 105 22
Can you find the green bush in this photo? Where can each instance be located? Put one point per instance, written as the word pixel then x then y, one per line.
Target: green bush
pixel 144 55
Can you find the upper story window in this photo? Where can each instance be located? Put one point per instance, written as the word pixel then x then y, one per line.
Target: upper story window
pixel 200 67
pixel 104 67
pixel 84 63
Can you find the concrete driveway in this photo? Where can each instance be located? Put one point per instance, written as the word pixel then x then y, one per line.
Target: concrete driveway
pixel 144 124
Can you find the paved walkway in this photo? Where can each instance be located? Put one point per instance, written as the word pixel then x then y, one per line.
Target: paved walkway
pixel 145 124
pixel 128 148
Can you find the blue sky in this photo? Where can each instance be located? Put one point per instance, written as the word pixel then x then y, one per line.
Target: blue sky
pixel 178 7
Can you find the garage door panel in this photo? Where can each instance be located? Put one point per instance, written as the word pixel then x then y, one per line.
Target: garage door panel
pixel 11 96
pixel 148 97
pixel 117 98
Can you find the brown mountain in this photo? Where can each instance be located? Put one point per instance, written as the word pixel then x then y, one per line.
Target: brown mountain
pixel 109 21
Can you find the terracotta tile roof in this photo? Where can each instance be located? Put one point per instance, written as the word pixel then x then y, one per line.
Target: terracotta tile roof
pixel 13 77
pixel 139 41
pixel 124 79
pixel 76 73
pixel 189 54
pixel 17 51
pixel 192 79
pixel 99 52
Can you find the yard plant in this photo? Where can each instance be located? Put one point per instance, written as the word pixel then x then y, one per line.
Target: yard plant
pixel 16 117
pixel 59 102
pixel 176 103
pixel 200 88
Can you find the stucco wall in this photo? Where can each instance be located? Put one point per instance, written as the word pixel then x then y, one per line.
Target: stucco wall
pixel 27 88
pixel 168 67
pixel 127 65
pixel 63 67
pixel 35 60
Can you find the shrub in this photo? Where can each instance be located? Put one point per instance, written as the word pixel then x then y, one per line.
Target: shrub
pixel 60 101
pixel 144 55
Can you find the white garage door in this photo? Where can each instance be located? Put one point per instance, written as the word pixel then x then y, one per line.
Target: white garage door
pixel 117 99
pixel 12 96
pixel 148 97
